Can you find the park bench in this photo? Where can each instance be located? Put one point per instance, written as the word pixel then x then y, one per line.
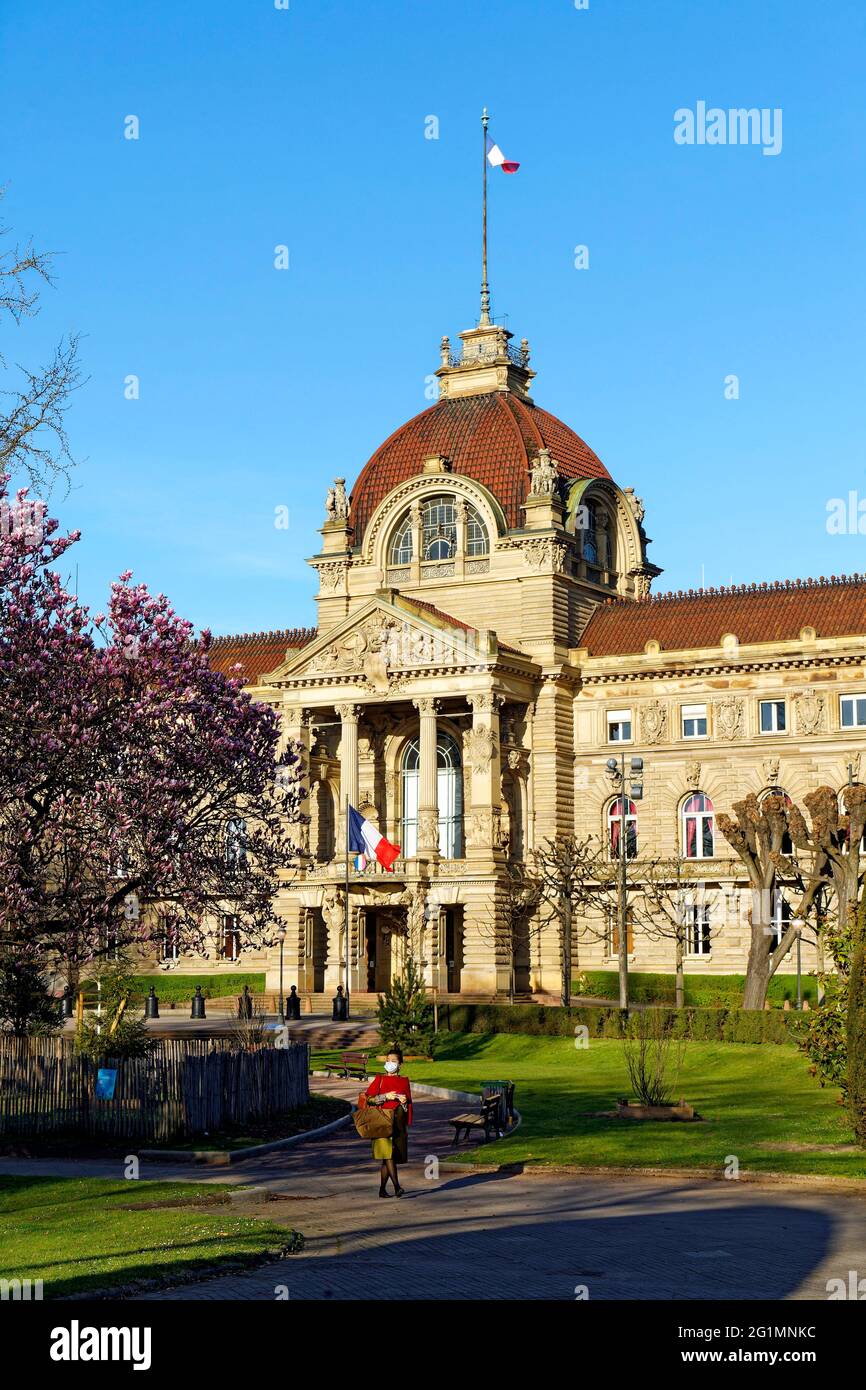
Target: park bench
pixel 487 1118
pixel 350 1064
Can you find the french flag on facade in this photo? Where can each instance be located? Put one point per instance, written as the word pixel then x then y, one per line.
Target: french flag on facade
pixel 498 160
pixel 366 840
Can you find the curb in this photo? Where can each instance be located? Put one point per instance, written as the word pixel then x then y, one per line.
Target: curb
pixel 798 1182
pixel 225 1158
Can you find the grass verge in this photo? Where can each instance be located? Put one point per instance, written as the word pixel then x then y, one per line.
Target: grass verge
pixel 83 1234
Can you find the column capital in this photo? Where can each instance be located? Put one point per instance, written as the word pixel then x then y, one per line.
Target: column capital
pixel 349 714
pixel 485 701
pixel 426 705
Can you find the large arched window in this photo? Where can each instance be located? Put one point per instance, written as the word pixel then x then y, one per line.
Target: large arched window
pixel 614 828
pixel 439 538
pixel 449 784
pixel 699 837
pixel 598 540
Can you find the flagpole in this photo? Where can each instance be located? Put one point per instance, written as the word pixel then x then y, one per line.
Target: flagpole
pixel 348 955
pixel 485 288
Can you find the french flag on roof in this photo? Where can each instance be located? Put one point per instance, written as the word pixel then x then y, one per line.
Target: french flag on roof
pixel 498 160
pixel 365 839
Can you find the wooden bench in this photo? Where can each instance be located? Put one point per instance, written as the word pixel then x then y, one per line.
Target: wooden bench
pixel 350 1064
pixel 487 1118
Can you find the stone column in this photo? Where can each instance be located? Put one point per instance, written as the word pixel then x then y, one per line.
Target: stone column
pixel 296 729
pixel 483 822
pixel 348 767
pixel 428 790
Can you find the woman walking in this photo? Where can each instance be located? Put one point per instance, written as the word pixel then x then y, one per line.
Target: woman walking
pixel 392 1092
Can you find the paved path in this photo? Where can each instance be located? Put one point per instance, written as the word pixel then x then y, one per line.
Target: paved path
pixel 508 1236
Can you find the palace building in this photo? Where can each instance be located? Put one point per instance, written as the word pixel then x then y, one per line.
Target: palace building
pixel 487 639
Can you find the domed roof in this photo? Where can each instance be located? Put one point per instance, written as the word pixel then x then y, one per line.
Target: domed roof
pixel 490 437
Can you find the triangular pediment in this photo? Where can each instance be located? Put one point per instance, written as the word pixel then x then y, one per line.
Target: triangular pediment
pixel 384 641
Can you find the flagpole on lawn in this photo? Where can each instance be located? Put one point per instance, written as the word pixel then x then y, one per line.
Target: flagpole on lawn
pixel 348 956
pixel 485 288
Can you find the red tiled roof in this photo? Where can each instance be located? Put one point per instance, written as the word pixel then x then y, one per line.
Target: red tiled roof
pixel 490 438
pixel 834 607
pixel 256 653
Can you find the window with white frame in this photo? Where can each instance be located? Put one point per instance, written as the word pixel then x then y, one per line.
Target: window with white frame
pixel 619 726
pixel 477 542
pixel 236 843
pixel 780 919
pixel 401 545
pixel 694 721
pixel 699 838
pixel 772 716
pixel 169 946
pixel 698 929
pixel 852 711
pixel 449 796
pixel 230 937
pixel 614 828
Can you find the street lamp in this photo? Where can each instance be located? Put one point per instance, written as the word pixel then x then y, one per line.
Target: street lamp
pixel 281 937
pixel 630 790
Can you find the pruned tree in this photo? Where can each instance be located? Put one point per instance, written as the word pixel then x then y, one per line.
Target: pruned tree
pixel 757 833
pixel 670 892
pixel 572 874
pixel 34 444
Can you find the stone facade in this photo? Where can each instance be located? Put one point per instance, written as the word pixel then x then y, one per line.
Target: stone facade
pixel 485 630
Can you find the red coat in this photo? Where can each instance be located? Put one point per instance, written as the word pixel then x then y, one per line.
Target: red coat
pixel 384 1083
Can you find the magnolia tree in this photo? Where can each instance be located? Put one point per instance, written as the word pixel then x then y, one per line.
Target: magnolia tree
pixel 141 792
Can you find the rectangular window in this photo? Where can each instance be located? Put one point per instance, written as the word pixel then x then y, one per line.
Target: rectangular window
pixel 698 929
pixel 619 726
pixel 853 711
pixel 694 721
pixel 772 716
pixel 230 942
pixel 612 931
pixel 169 949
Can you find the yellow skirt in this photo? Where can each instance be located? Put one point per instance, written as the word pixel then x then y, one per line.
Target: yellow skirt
pixel 394 1145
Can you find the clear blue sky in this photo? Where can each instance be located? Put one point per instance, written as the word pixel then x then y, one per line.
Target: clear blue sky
pixel 305 127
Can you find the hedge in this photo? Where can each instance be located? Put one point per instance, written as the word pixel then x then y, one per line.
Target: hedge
pixel 180 988
pixel 702 991
pixel 539 1020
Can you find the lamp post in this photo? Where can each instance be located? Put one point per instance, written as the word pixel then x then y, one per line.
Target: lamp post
pixel 281 937
pixel 630 789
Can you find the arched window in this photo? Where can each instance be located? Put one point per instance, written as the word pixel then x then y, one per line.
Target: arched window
pixel 614 828
pixel 438 528
pixel 699 839
pixel 401 545
pixel 477 542
pixel 787 846
pixel 439 533
pixel 449 785
pixel 598 540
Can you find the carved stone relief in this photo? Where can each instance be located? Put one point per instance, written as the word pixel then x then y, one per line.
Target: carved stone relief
pixel 729 718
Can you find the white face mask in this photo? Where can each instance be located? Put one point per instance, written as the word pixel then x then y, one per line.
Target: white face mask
pixel 392 1067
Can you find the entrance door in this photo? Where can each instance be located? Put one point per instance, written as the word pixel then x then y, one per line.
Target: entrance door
pixel 454 947
pixel 378 952
pixel 320 950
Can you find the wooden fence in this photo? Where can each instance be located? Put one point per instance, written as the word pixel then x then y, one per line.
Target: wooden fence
pixel 182 1088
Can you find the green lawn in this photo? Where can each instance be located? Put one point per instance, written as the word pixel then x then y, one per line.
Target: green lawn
pixel 750 1096
pixel 79 1234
